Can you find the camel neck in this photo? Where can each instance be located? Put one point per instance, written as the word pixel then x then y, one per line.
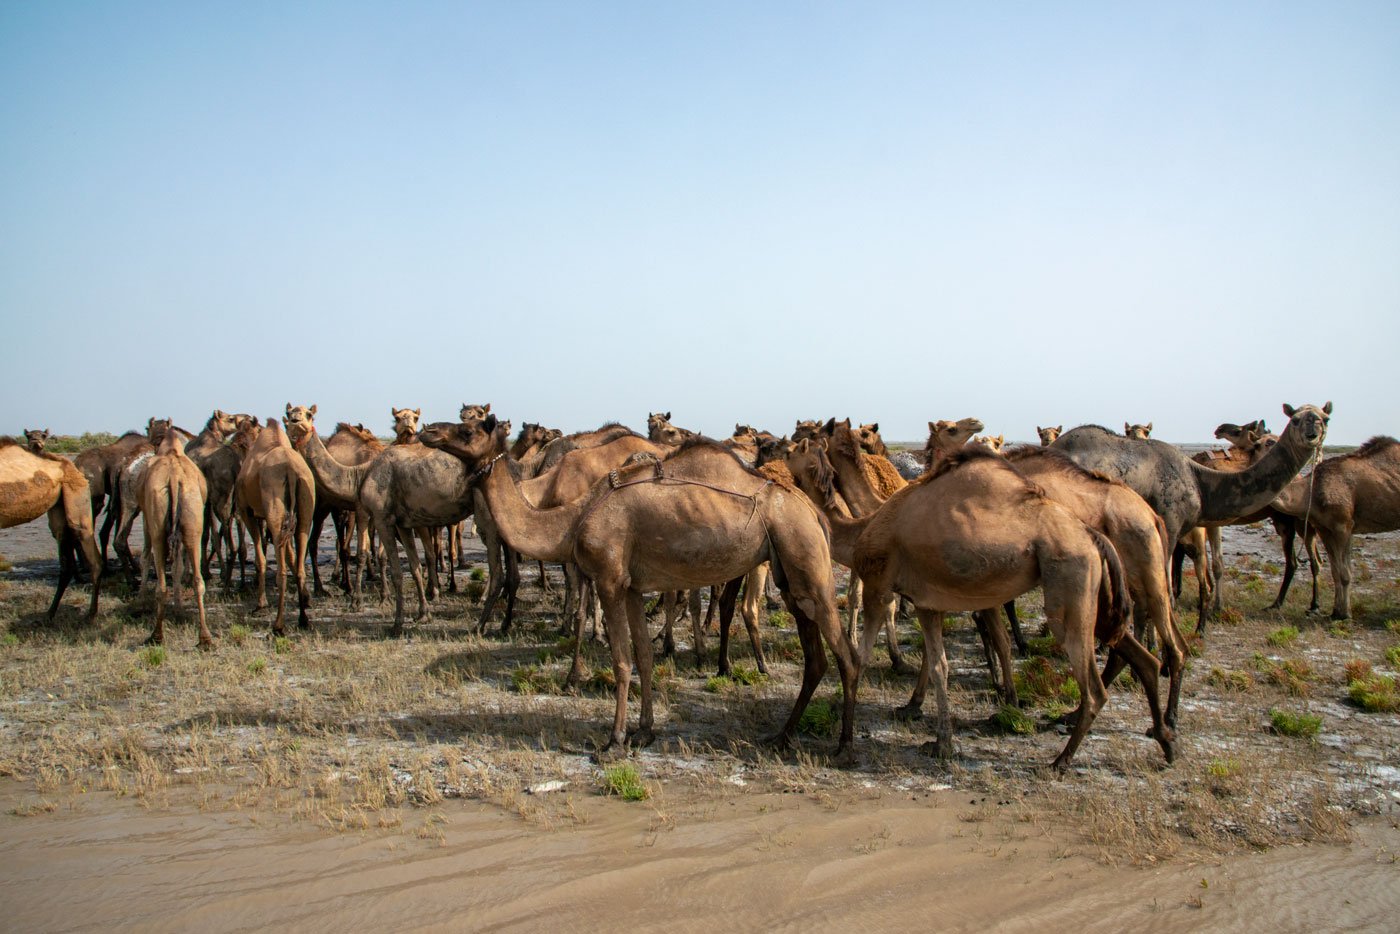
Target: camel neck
pixel 1228 494
pixel 544 534
pixel 339 480
pixel 856 488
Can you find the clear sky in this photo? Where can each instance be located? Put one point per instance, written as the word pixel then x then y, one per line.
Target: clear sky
pixel 1035 213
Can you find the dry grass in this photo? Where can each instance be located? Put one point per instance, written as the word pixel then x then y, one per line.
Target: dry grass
pixel 343 729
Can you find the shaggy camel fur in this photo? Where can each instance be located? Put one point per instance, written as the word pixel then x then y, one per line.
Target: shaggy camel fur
pixel 696 517
pixel 34 484
pixel 35 439
pixel 975 534
pixel 1353 494
pixel 946 437
pixel 1048 435
pixel 172 495
pixel 277 494
pixel 1184 493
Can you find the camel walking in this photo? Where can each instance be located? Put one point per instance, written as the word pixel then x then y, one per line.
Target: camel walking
pixel 698 516
pixel 172 494
pixel 34 484
pixel 277 494
pixel 977 534
pixel 1353 494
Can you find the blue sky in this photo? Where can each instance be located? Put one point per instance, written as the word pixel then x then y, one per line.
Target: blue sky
pixel 1032 213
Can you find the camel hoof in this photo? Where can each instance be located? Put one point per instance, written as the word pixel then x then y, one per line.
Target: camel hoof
pixel 778 742
pixel 396 632
pixel 899 666
pixel 1168 748
pixel 612 752
pixel 640 738
pixel 910 711
pixel 845 758
pixel 205 645
pixel 153 640
pixel 1338 617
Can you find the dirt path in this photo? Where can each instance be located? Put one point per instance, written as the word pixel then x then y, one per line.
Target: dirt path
pixel 783 862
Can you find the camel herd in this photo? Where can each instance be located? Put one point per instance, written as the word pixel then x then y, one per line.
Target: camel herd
pixel 1098 520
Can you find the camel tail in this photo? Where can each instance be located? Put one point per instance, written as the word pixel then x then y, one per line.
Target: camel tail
pixel 1115 606
pixel 289 522
pixel 172 521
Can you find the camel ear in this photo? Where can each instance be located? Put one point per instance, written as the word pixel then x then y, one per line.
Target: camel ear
pixel 932 427
pixel 289 408
pixel 418 413
pixel 489 425
pixel 667 416
pixel 1327 409
pixel 1059 427
pixel 1126 428
pixel 802 446
pixel 875 426
pixel 830 425
pixel 1289 410
pixel 1149 427
pixel 486 407
pixel 313 410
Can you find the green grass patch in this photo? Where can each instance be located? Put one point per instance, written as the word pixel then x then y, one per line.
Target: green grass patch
pixel 477 574
pixel 153 656
pixel 528 679
pixel 1231 682
pixel 1283 636
pixel 4 564
pixel 1041 680
pixel 780 618
pixel 1229 616
pixel 1223 768
pixel 1293 675
pixel 1044 645
pixel 1375 694
pixel 282 645
pixel 1392 655
pixel 625 781
pixel 257 666
pixel 9 639
pixel 820 718
pixel 238 633
pixel 745 674
pixel 718 684
pixel 1297 725
pixel 1011 719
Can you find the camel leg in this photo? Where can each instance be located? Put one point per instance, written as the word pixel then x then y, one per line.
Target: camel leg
pixel 574 595
pixel 317 523
pixel 389 540
pixel 813 668
pixel 914 708
pixel 1338 545
pixel 363 553
pixel 1023 649
pixel 67 562
pixel 897 663
pixel 1314 561
pixel 416 570
pixel 1217 568
pixel 758 577
pixel 1077 643
pixel 1145 665
pixel 854 596
pixel 78 522
pixel 259 565
pixel 512 587
pixel 726 618
pixel 495 573
pixel 431 542
pixel 615 618
pixel 697 628
pixel 996 643
pixel 121 542
pixel 193 538
pixel 109 519
pixel 155 558
pixel 641 648
pixel 668 637
pixel 937 663
pixel 1287 533
pixel 302 543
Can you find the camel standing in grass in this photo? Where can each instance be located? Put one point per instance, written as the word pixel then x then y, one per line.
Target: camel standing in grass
pixel 172 493
pixel 277 494
pixel 34 484
pixel 35 439
pixel 1184 493
pixel 128 498
pixel 219 465
pixel 698 516
pixel 102 467
pixel 1048 435
pixel 1353 494
pixel 978 534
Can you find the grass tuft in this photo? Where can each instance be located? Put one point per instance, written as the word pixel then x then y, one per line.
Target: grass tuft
pixel 625 781
pixel 1297 725
pixel 1011 719
pixel 153 655
pixel 1283 636
pixel 820 718
pixel 1375 694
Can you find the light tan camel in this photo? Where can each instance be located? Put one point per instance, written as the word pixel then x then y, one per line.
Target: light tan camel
pixel 993 443
pixel 128 498
pixel 219 464
pixel 699 516
pixel 35 439
pixel 661 431
pixel 1049 434
pixel 474 414
pixel 1345 496
pixel 276 491
pixel 976 534
pixel 34 484
pixel 1141 432
pixel 172 493
pixel 406 423
pixel 946 437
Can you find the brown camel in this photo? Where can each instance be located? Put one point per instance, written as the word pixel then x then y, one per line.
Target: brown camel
pixel 661 431
pixel 209 452
pixel 1352 494
pixel 406 424
pixel 474 414
pixel 128 498
pixel 276 492
pixel 870 440
pixel 1048 435
pixel 1184 493
pixel 35 439
pixel 976 534
pixel 744 443
pixel 1140 432
pixel 102 467
pixel 946 437
pixel 805 429
pixel 993 443
pixel 698 516
pixel 172 495
pixel 34 484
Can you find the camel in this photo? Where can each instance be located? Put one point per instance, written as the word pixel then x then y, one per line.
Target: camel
pixel 34 484
pixel 698 516
pixel 474 414
pixel 946 437
pixel 744 442
pixel 993 443
pixel 1184 493
pixel 128 498
pixel 870 440
pixel 805 429
pixel 172 495
pixel 102 467
pixel 661 431
pixel 35 439
pixel 1140 432
pixel 976 534
pixel 406 424
pixel 349 445
pixel 1352 494
pixel 276 492
pixel 1048 435
pixel 219 465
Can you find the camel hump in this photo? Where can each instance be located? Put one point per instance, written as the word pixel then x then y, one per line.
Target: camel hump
pixel 643 465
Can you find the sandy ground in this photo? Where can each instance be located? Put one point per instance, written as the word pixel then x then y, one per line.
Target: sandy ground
pixel 341 779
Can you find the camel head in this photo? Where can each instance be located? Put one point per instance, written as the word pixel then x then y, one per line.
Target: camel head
pixel 946 436
pixel 1307 426
pixel 473 413
pixel 406 422
pixel 773 449
pixel 1246 437
pixel 993 443
pixel 812 470
pixel 870 440
pixel 241 420
pixel 805 429
pixel 1141 432
pixel 300 421
pixel 246 433
pixel 474 443
pixel 661 431
pixel 156 429
pixel 532 434
pixel 35 439
pixel 222 424
pixel 1048 435
pixel 745 434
